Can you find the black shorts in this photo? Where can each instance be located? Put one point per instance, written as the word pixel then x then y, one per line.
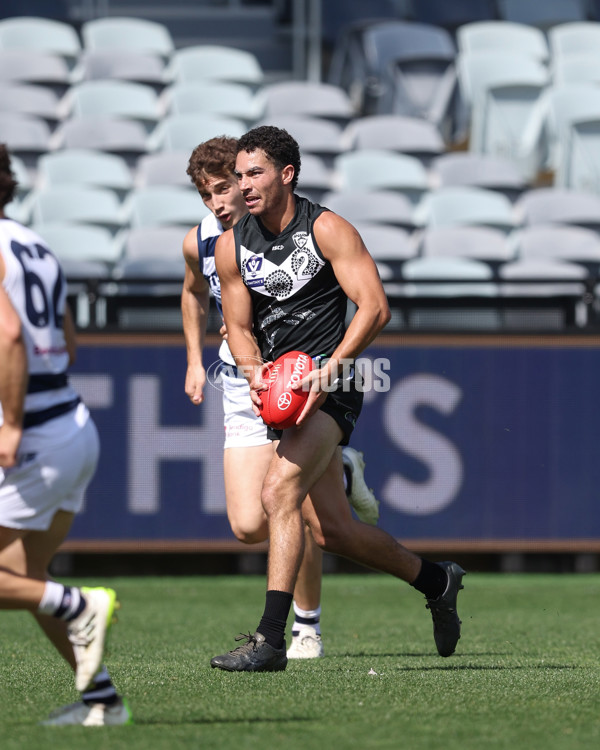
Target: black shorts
pixel 344 405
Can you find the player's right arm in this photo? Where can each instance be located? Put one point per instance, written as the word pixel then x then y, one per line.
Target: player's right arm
pixel 237 313
pixel 13 380
pixel 195 301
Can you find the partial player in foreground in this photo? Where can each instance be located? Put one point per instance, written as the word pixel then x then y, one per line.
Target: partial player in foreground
pixel 287 269
pixel 248 451
pixel 48 454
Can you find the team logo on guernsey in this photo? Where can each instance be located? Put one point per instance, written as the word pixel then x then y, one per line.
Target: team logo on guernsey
pixel 252 268
pixel 300 239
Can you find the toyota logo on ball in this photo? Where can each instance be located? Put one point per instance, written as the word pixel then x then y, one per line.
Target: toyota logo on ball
pixel 284 401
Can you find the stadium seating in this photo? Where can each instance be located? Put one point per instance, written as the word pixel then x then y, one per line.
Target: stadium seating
pixel 40 35
pixel 140 67
pixel 408 135
pixel 397 67
pixel 126 138
pixel 465 205
pixel 448 273
pixel 164 205
pixel 435 119
pixel 376 206
pixel 499 92
pixel 386 243
pixel 559 205
pixel 127 35
pixel 81 243
pixel 570 39
pixel 315 135
pixel 85 167
pixel 149 243
pixel 315 179
pixel 478 170
pixel 19 66
pixel 163 168
pixel 502 36
pixel 554 241
pixel 215 63
pixel 77 203
pixel 545 135
pixel 29 99
pixel 478 242
pixel 378 169
pixel 123 99
pixel 185 132
pixel 561 278
pixel 574 69
pixel 306 99
pixel 26 136
pixel 222 98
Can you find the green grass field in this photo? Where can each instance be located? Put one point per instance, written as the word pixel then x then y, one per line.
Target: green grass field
pixel 526 673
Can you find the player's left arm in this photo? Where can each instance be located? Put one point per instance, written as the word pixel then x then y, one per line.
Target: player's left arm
pixel 356 272
pixel 13 380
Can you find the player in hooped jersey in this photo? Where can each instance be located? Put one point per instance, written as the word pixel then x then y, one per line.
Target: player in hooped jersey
pixel 248 450
pixel 287 269
pixel 48 454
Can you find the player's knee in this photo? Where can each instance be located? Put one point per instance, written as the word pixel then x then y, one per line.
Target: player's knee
pixel 249 533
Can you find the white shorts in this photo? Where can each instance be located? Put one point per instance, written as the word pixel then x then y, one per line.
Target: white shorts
pixel 243 429
pixel 51 479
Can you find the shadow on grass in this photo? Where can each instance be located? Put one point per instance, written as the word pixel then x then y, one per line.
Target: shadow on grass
pixel 217 722
pixel 453 666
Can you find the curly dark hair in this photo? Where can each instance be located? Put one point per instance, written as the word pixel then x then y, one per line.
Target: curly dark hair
pixel 213 158
pixel 8 184
pixel 279 147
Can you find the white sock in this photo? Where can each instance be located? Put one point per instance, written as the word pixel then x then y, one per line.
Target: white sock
pixel 61 601
pixel 52 598
pixel 310 617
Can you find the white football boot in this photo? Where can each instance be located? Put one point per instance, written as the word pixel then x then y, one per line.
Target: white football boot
pixel 88 631
pixel 94 715
pixel 361 498
pixel 306 645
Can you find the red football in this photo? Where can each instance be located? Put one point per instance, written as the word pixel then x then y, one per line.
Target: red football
pixel 281 406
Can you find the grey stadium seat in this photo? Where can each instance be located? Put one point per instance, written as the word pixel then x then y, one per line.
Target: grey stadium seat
pixel 375 206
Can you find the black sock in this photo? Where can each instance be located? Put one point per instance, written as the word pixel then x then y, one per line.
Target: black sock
pixel 431 581
pixel 274 619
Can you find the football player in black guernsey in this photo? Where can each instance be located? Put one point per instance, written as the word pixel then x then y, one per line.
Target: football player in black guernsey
pixel 287 270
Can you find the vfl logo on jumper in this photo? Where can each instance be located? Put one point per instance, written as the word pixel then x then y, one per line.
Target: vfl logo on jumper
pixel 252 269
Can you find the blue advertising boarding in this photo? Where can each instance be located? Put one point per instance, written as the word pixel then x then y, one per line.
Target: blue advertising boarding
pixel 461 442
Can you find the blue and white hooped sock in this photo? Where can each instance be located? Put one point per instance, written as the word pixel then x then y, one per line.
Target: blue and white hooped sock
pixel 101 690
pixel 310 617
pixel 64 602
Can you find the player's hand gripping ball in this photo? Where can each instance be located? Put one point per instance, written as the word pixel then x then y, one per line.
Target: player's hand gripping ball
pixel 281 405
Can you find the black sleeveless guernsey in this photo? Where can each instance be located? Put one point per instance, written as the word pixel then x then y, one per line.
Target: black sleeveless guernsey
pixel 297 301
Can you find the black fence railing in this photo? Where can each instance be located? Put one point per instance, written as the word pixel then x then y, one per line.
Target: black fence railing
pixel 561 304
